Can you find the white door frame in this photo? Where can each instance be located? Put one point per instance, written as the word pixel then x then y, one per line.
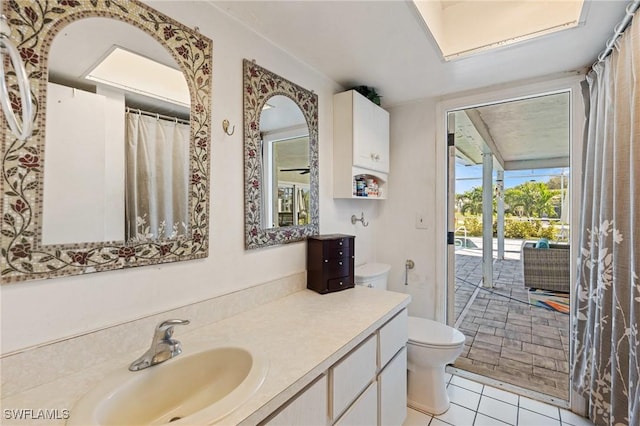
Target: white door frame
pixel 499 94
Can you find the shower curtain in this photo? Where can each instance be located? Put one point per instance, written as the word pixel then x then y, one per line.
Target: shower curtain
pixel 157 178
pixel 606 367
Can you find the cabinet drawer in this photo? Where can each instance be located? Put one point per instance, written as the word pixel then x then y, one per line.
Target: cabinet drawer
pixel 393 336
pixel 308 407
pixel 364 411
pixel 351 375
pixel 335 268
pixel 340 283
pixel 337 253
pixel 338 243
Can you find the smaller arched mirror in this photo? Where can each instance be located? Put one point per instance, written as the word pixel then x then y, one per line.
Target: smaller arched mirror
pixel 281 159
pixel 285 163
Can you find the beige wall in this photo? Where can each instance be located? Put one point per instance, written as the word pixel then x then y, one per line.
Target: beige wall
pixel 411 192
pixel 42 311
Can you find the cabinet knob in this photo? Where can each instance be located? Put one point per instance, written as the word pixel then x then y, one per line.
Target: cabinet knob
pixel 340 263
pixel 326 261
pixel 340 283
pixel 340 243
pixel 339 253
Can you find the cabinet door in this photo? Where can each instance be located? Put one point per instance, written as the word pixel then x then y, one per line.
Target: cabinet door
pixel 393 390
pixel 393 336
pixel 370 135
pixel 352 374
pixel 308 408
pixel 380 140
pixel 363 412
pixel 364 131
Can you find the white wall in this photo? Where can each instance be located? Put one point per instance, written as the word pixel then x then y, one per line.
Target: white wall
pixel 40 311
pixel 411 192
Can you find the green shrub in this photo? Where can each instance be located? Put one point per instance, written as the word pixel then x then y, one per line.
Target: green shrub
pixel 528 230
pixel 550 233
pixel 474 226
pixel 518 229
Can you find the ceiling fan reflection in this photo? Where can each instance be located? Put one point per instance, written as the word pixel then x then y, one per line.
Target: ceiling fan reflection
pixel 302 170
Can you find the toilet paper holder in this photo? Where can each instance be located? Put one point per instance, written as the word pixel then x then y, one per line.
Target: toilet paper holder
pixel 409 264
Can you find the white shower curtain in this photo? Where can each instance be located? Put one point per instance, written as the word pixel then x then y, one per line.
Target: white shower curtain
pixel 606 366
pixel 157 177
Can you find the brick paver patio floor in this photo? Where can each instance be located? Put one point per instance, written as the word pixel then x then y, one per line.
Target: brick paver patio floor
pixel 510 340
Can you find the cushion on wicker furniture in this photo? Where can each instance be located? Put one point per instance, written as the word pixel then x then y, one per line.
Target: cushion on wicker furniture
pixel 546 268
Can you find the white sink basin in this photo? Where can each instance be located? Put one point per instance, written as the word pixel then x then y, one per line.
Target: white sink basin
pixel 200 387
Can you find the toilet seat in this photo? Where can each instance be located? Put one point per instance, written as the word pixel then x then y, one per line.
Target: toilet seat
pixel 432 334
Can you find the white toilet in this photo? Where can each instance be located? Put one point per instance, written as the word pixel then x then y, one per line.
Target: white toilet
pixel 432 345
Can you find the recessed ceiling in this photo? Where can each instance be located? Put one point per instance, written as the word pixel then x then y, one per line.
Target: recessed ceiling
pixel 384 44
pixel 462 28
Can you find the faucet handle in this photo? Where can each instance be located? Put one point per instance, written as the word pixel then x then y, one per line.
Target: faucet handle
pixel 166 327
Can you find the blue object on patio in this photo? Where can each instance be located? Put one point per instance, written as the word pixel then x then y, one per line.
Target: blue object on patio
pixel 542 243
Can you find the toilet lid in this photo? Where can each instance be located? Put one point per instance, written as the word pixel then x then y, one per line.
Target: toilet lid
pixel 425 332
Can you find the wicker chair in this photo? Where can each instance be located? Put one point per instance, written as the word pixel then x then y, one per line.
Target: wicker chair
pixel 544 268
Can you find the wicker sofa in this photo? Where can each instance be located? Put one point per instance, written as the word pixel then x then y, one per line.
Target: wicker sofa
pixel 546 268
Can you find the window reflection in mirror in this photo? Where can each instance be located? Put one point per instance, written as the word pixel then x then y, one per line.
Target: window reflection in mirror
pixel 116 137
pixel 285 164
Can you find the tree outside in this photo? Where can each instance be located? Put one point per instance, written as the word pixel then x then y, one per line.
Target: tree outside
pixel 528 208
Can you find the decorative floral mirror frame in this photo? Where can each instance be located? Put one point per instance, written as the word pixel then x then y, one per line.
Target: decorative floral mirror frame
pixel 34 24
pixel 260 85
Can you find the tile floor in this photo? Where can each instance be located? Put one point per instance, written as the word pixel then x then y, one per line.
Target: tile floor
pixel 474 404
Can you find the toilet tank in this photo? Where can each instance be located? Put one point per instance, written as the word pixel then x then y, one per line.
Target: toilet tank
pixel 372 275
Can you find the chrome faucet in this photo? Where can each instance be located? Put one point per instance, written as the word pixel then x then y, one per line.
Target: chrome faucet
pixel 163 347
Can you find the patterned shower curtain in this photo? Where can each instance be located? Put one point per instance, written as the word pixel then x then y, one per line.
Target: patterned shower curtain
pixel 606 367
pixel 157 178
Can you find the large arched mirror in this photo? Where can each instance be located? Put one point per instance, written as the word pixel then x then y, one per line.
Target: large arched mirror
pixel 281 159
pixel 116 172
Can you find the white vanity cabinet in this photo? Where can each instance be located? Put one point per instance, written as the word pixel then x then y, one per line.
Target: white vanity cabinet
pixel 392 367
pixel 392 383
pixel 360 145
pixel 364 410
pixel 351 375
pixel 308 408
pixel 368 386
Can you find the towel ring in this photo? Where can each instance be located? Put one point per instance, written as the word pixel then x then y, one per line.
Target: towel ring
pixel 23 131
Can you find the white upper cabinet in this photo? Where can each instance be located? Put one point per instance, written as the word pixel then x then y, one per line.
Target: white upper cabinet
pixel 360 147
pixel 370 134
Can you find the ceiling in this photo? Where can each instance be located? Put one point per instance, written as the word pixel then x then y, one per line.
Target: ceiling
pixel 388 47
pixel 525 134
pixel 81 45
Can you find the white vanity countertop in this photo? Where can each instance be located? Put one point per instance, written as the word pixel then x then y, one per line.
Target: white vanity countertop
pixel 302 335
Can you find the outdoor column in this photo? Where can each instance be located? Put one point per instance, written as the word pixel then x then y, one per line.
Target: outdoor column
pixel 500 199
pixel 487 219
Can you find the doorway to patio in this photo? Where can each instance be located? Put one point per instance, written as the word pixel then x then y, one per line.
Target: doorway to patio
pixel 509 170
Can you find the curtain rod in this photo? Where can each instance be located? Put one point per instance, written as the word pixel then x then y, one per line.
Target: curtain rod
pixel 618 30
pixel 156 115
